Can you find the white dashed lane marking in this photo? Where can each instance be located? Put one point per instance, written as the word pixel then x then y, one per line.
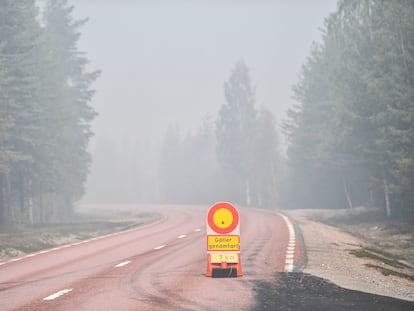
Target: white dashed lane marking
pixel 58 294
pixel 79 243
pixel 159 247
pixel 122 264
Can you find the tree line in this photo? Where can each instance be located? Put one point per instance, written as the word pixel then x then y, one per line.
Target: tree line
pixel 351 135
pixel 44 112
pixel 233 156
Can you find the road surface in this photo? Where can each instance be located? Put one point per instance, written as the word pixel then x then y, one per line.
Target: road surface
pixel 160 266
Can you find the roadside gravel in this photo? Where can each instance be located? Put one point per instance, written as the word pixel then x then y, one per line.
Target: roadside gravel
pixel 88 224
pixel 328 256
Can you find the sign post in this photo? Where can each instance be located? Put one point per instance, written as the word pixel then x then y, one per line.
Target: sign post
pixel 223 241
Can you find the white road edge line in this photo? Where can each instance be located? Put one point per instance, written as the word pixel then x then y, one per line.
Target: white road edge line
pixel 181 236
pixel 197 230
pixel 16 259
pixel 58 294
pixel 291 245
pixel 122 264
pixel 159 247
pixel 73 244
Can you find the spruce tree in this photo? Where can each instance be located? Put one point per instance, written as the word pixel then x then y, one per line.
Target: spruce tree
pixel 19 103
pixel 69 96
pixel 235 130
pixel 366 134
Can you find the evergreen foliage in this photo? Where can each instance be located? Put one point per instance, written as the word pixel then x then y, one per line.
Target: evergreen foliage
pixel 247 145
pixel 236 129
pixel 189 171
pixel 44 112
pixel 352 132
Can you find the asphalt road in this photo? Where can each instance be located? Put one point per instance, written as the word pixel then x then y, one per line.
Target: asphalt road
pixel 304 292
pixel 156 267
pixel 162 266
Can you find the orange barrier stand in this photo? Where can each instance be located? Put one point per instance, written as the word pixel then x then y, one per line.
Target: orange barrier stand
pixel 223 241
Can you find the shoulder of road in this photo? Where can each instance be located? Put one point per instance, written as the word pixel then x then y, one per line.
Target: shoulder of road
pixel 354 259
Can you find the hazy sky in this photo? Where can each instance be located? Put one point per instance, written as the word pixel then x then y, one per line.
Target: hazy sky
pixel 165 62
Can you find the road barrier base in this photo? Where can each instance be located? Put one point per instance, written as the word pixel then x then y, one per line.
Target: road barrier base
pixel 223 269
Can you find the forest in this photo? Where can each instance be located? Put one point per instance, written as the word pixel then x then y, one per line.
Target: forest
pixel 234 156
pixel 350 135
pixel 44 112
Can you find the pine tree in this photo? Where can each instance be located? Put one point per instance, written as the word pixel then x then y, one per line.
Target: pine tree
pixel 267 159
pixel 365 136
pixel 392 80
pixel 69 93
pixel 313 171
pixel 235 131
pixel 19 102
pixel 44 112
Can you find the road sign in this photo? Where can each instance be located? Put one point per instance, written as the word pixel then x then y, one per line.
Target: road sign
pixel 227 257
pixel 223 241
pixel 223 218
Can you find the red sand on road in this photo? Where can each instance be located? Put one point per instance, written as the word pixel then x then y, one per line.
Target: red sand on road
pixel 155 267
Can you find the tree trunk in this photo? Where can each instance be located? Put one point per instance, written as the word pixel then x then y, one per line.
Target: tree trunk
pixel 273 193
pixel 404 59
pixel 387 197
pixel 21 193
pixel 371 192
pixel 9 207
pixel 348 197
pixel 5 209
pixel 30 202
pixel 247 192
pixel 260 197
pixel 371 198
pixel 41 208
pixel 3 215
pixel 369 20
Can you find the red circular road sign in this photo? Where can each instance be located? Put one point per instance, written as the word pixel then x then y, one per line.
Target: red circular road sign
pixel 223 217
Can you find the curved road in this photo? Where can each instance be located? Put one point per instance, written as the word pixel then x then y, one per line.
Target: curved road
pixel 155 267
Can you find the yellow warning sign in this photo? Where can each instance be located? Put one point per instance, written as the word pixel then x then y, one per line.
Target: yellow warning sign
pixel 223 242
pixel 224 257
pixel 223 218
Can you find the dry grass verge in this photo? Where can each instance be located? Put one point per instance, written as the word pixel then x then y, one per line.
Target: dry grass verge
pixel 86 224
pixel 348 249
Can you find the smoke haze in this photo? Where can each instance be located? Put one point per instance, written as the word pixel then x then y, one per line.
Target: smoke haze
pixel 165 62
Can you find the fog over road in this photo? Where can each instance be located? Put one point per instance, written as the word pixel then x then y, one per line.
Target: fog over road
pixel 160 266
